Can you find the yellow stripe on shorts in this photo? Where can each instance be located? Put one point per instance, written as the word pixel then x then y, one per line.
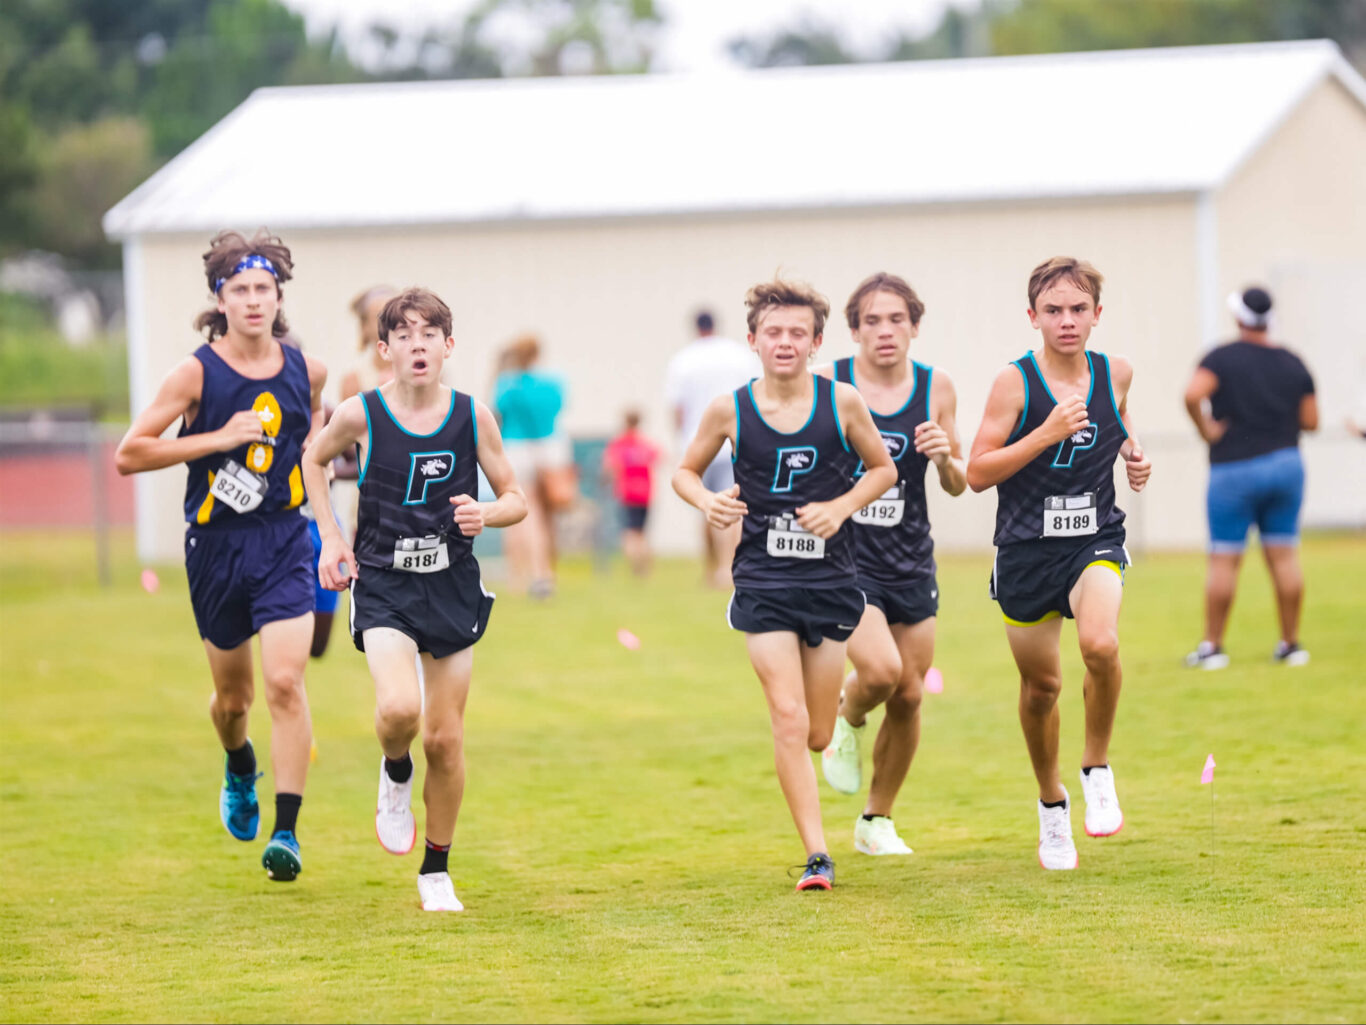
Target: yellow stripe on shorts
pixel 1108 564
pixel 1043 619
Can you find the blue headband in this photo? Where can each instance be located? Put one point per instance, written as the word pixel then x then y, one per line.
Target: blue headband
pixel 252 262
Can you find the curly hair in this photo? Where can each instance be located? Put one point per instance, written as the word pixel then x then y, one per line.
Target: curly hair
pixel 226 250
pixel 773 294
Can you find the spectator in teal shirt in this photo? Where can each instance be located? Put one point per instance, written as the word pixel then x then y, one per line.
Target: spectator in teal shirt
pixel 528 404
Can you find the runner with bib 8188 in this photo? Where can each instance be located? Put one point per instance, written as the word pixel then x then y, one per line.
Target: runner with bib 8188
pixel 1054 423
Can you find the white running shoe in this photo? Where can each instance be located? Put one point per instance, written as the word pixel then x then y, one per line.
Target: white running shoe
pixel 438 892
pixel 1056 849
pixel 1103 817
pixel 840 760
pixel 1289 654
pixel 394 823
pixel 1207 656
pixel 878 836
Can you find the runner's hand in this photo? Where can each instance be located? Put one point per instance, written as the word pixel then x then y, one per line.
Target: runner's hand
pixel 242 428
pixel 724 508
pixel 1067 417
pixel 933 441
pixel 1139 468
pixel 336 564
pixel 820 518
pixel 469 515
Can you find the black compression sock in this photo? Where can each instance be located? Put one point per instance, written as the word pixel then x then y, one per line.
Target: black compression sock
pixel 286 812
pixel 1055 804
pixel 399 771
pixel 242 762
pixel 1086 769
pixel 869 816
pixel 435 858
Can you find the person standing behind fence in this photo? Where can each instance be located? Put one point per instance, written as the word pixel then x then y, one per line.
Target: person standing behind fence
pixel 706 367
pixel 249 405
pixel 528 402
pixel 629 461
pixel 1250 399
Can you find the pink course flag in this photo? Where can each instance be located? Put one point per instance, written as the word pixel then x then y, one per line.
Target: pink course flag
pixel 628 640
pixel 1208 775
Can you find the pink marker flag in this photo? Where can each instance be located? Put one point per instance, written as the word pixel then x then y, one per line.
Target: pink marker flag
pixel 150 583
pixel 628 640
pixel 1208 775
pixel 934 681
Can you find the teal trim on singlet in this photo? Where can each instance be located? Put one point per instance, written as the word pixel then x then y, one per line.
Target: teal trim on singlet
pixel 474 417
pixel 1110 383
pixel 929 387
pixel 1024 410
pixel 380 395
pixel 834 408
pixel 909 398
pixel 369 440
pixel 815 399
pixel 735 449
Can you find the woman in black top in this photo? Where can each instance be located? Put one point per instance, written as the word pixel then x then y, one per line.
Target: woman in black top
pixel 1250 399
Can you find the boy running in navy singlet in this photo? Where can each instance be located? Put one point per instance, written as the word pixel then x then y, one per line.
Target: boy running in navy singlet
pixel 795 582
pixel 415 584
pixel 914 408
pixel 1055 421
pixel 247 405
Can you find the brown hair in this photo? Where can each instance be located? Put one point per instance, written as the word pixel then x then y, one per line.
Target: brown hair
pixel 762 298
pixel 362 302
pixel 226 250
pixel 522 351
pixel 632 418
pixel 1060 268
pixel 426 304
pixel 883 282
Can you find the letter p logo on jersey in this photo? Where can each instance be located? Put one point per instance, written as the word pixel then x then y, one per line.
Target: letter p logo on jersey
pixel 424 470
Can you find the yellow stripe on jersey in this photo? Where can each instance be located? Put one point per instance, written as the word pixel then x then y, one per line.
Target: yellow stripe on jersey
pixel 296 488
pixel 206 509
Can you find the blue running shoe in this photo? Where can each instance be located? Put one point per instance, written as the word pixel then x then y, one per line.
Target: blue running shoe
pixel 237 805
pixel 818 873
pixel 281 857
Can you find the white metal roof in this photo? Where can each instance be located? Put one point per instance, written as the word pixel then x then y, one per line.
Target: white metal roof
pixel 1090 124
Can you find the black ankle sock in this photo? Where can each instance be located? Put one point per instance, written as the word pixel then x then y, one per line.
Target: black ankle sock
pixel 868 816
pixel 287 812
pixel 1055 804
pixel 435 858
pixel 1086 769
pixel 401 770
pixel 242 762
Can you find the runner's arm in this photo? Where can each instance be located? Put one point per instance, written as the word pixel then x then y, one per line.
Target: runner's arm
pixel 717 427
pixel 1136 462
pixel 938 436
pixel 992 460
pixel 824 519
pixel 510 505
pixel 143 447
pixel 344 430
pixel 317 377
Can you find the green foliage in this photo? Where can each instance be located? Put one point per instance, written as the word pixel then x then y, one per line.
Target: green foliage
pixel 622 845
pixel 39 369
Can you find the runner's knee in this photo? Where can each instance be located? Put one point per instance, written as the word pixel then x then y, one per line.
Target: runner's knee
pixel 1040 693
pixel 1099 647
pixel 398 715
pixel 443 745
pixel 791 724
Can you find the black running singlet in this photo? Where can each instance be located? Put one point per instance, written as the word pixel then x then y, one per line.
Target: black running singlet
pixel 892 534
pixel 241 486
pixel 777 472
pixel 406 521
pixel 1069 489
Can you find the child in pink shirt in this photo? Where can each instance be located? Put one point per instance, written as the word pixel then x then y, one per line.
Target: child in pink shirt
pixel 629 461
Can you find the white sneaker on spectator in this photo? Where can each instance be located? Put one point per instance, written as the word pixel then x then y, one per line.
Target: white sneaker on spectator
pixel 1207 656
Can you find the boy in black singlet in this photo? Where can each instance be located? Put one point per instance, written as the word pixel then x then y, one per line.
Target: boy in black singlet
pixel 1054 423
pixel 248 405
pixel 914 408
pixel 415 585
pixel 795 581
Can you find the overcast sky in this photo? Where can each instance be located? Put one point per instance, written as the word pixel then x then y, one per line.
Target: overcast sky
pixel 696 31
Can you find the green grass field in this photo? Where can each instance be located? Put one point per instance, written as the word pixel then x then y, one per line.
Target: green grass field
pixel 623 845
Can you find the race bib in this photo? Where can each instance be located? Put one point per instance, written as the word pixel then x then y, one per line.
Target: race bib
pixel 1069 515
pixel 237 487
pixel 421 554
pixel 787 539
pixel 886 511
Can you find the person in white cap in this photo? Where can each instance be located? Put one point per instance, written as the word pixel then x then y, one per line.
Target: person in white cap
pixel 1250 399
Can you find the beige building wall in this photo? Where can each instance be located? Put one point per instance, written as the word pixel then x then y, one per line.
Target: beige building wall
pixel 614 300
pixel 1294 218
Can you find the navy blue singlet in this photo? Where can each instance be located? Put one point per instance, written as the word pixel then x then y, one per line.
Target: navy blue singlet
pixel 269 470
pixel 407 481
pixel 892 534
pixel 779 471
pixel 1079 465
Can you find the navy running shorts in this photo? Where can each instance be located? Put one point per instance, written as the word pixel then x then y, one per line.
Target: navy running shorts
pixel 1266 490
pixel 813 614
pixel 245 575
pixel 1032 580
pixel 442 612
pixel 911 603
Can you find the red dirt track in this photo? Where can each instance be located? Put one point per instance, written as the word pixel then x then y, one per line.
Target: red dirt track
pixel 56 489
